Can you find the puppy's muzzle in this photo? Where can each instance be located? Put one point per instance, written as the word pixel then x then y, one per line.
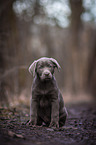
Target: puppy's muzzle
pixel 46 75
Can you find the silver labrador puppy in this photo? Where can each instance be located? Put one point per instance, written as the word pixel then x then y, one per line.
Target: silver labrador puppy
pixel 47 105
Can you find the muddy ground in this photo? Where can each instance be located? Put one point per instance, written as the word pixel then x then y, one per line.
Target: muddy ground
pixel 80 128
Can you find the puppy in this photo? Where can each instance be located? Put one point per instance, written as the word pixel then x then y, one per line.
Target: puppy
pixel 47 105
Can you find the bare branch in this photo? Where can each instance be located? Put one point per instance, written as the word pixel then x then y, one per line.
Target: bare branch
pixel 12 70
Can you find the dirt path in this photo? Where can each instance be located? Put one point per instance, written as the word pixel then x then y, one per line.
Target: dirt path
pixel 80 127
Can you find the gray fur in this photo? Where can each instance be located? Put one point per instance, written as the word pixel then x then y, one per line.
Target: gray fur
pixel 47 103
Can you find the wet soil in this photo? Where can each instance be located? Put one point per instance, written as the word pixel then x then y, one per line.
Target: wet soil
pixel 80 127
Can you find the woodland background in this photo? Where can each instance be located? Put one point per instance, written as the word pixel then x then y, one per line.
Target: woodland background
pixel 64 30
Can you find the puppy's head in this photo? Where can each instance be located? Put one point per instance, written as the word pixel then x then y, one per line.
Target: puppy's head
pixel 44 68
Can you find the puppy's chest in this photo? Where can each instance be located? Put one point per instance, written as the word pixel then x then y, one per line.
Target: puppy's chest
pixel 45 89
pixel 44 93
pixel 44 97
pixel 44 101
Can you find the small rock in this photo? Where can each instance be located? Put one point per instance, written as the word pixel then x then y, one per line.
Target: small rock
pixel 50 129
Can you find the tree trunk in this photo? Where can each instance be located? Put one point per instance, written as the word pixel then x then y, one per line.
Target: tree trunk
pixel 74 47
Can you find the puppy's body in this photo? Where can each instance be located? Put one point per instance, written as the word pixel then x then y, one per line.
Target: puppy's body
pixel 47 104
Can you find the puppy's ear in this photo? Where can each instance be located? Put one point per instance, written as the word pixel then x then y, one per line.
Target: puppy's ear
pixel 32 68
pixel 56 64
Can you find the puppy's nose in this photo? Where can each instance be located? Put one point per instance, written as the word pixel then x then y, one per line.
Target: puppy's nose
pixel 47 73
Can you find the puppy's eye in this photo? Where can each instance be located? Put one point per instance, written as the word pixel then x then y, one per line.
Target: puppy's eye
pixel 40 67
pixel 49 65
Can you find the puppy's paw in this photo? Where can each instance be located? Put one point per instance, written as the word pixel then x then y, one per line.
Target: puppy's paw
pixel 54 124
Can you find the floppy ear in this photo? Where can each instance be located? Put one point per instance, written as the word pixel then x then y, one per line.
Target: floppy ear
pixel 32 68
pixel 55 63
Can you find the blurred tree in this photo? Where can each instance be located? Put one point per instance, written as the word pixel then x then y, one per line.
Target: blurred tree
pixel 79 82
pixel 91 81
pixel 74 45
pixel 8 49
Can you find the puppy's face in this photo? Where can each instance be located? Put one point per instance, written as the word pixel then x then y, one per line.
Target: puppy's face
pixel 45 70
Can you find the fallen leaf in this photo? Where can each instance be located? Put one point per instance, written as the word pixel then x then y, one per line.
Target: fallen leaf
pixel 13 134
pixel 10 133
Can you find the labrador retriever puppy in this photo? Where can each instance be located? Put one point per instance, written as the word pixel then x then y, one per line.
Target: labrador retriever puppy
pixel 47 105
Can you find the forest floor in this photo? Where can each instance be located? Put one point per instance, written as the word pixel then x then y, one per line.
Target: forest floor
pixel 80 128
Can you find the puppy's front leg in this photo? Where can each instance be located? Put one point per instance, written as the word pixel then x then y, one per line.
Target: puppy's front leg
pixel 55 113
pixel 33 111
